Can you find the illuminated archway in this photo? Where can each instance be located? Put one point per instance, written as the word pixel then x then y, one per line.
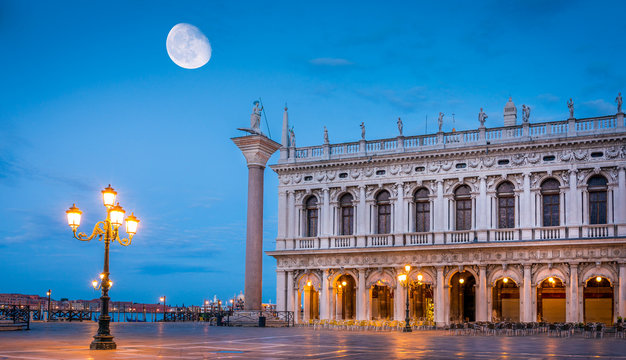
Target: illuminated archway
pixel 551 300
pixel 598 300
pixel 463 297
pixel 505 300
pixel 345 297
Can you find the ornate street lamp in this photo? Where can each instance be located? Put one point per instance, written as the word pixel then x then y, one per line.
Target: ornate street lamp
pixel 48 293
pixel 404 280
pixel 107 230
pixel 163 299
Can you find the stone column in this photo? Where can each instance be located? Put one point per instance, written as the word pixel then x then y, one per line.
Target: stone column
pixel 325 298
pixel 339 303
pixel 620 218
pixel 399 301
pixel 481 303
pixel 527 300
pixel 290 294
pixel 481 209
pixel 281 295
pixel 439 220
pixel 362 213
pixel 571 311
pixel 326 218
pixel 621 291
pixel 399 216
pixel 361 297
pixel 257 149
pixel 440 319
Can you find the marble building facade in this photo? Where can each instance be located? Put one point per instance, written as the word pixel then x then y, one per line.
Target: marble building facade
pixel 525 222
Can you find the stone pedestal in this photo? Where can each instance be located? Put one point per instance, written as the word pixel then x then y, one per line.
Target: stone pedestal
pixel 257 149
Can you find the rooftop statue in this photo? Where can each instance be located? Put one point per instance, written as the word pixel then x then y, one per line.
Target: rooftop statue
pixel 362 130
pixel 440 121
pixel 255 118
pixel 325 135
pixel 618 100
pixel 292 138
pixel 400 126
pixel 570 106
pixel 482 117
pixel 525 113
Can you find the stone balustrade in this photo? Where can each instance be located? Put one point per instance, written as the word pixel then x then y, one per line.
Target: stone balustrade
pixel 449 237
pixel 459 139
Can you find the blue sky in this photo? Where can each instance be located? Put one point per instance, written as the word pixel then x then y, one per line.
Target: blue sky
pixel 90 97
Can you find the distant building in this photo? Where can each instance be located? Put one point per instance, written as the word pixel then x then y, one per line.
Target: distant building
pixel 524 222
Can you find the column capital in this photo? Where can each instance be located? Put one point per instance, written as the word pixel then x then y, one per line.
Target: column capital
pixel 257 149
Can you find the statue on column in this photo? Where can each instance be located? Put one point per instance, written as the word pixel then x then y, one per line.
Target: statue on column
pixel 618 100
pixel 570 106
pixel 525 113
pixel 255 118
pixel 400 126
pixel 440 121
pixel 362 130
pixel 325 135
pixel 292 138
pixel 482 117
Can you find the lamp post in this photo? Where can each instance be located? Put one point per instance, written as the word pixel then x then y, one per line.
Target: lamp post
pixel 162 299
pixel 107 230
pixel 404 280
pixel 48 293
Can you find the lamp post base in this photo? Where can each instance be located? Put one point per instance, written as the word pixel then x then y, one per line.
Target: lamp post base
pixel 103 342
pixel 407 329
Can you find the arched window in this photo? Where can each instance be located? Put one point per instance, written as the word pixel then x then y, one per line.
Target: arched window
pixel 422 211
pixel 506 205
pixel 383 206
pixel 463 200
pixel 551 202
pixel 596 186
pixel 346 212
pixel 311 217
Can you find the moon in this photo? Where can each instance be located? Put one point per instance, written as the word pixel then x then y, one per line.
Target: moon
pixel 187 46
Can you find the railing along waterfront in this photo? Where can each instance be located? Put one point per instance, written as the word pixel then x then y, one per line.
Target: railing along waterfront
pixel 574 232
pixel 15 317
pixel 482 136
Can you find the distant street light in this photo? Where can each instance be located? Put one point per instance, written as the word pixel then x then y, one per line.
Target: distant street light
pixel 48 293
pixel 162 299
pixel 107 230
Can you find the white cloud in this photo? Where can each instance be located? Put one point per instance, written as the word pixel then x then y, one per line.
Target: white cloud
pixel 330 62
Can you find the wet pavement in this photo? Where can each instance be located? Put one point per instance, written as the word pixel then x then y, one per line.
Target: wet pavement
pixel 200 341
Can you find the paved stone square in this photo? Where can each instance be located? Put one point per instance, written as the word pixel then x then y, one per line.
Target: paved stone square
pixel 200 341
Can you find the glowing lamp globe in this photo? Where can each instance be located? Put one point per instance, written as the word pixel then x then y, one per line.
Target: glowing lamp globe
pixel 108 196
pixel 117 215
pixel 308 283
pixel 598 278
pixel 94 284
pixel 407 268
pixel 420 277
pixel 73 217
pixel 344 283
pixel 505 280
pixel 402 277
pixel 131 224
pixel 461 281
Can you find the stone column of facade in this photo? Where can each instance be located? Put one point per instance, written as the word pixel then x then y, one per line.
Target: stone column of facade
pixel 361 298
pixel 281 295
pixel 573 217
pixel 527 302
pixel 481 303
pixel 289 218
pixel 621 215
pixel 325 298
pixel 290 294
pixel 440 319
pixel 326 218
pixel 481 207
pixel 571 312
pixel 621 290
pixel 282 214
pixel 399 216
pixel 362 218
pixel 333 302
pixel 257 149
pixel 439 222
pixel 399 302
pixel 338 304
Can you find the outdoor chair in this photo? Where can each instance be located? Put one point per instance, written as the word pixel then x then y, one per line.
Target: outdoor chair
pixel 619 331
pixel 599 330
